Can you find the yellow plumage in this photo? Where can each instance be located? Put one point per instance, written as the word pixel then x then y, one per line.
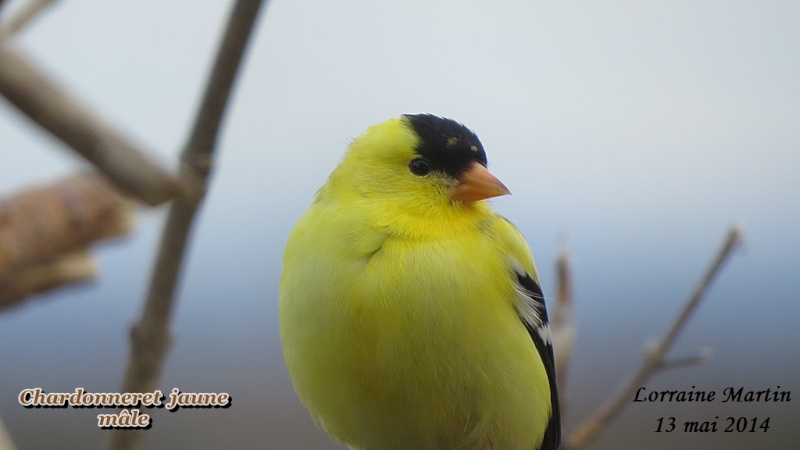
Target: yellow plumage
pixel 401 309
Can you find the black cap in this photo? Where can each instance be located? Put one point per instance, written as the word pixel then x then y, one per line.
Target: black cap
pixel 448 145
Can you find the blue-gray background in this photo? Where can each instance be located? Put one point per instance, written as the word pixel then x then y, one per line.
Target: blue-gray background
pixel 637 131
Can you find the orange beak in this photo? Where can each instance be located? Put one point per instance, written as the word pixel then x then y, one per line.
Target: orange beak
pixel 477 183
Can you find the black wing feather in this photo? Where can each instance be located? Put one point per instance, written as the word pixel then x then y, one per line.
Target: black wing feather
pixel 552 435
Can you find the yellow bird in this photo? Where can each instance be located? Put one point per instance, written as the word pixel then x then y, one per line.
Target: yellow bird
pixel 411 314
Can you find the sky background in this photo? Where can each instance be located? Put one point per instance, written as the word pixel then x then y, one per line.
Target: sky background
pixel 637 132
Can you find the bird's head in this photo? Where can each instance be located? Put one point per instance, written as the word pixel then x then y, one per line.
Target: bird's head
pixel 418 161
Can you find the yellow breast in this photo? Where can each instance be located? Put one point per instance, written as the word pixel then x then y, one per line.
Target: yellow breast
pixel 401 343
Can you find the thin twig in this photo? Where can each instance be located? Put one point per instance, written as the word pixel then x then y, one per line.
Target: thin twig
pixel 563 324
pixel 15 22
pixel 702 355
pixel 52 108
pixel 150 337
pixel 654 357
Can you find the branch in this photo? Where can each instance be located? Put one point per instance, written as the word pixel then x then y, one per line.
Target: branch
pixel 150 337
pixel 69 268
pixel 20 19
pixel 66 118
pixel 563 324
pixel 702 355
pixel 654 357
pixel 5 439
pixel 40 223
pixel 45 233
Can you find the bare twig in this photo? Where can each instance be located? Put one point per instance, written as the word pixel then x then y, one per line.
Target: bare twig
pixel 654 357
pixel 699 357
pixel 563 323
pixel 150 337
pixel 15 22
pixel 52 108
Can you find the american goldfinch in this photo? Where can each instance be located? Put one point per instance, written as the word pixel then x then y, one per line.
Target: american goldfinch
pixel 410 313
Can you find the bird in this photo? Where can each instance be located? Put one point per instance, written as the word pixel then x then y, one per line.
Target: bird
pixel 411 314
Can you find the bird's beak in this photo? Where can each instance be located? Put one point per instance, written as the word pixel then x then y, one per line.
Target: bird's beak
pixel 477 183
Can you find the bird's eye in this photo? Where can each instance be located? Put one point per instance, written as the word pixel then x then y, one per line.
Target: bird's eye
pixel 420 166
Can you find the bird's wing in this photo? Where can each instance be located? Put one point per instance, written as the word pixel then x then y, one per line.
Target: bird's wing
pixel 533 313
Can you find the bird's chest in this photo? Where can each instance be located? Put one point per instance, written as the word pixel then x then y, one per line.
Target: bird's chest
pixel 420 342
pixel 426 337
pixel 425 286
pixel 431 309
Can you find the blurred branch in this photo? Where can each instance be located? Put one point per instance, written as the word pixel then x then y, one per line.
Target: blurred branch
pixel 654 356
pixel 563 323
pixel 39 223
pixel 150 337
pixel 16 21
pixel 52 108
pixel 702 355
pixel 69 268
pixel 5 439
pixel 45 233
